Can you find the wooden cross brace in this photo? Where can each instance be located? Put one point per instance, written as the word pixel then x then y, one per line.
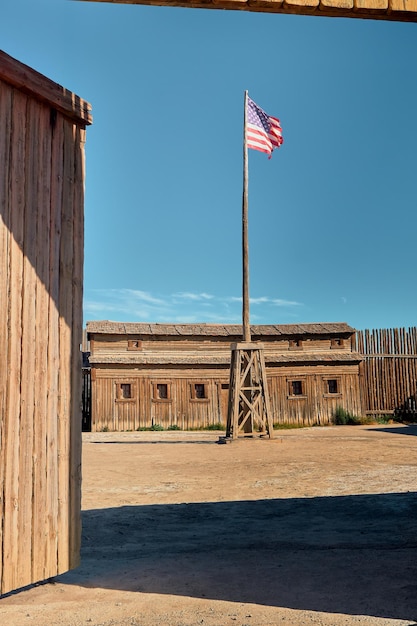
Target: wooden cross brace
pixel 248 412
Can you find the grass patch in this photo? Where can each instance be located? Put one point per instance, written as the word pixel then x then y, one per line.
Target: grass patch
pixel 216 426
pixel 287 426
pixel 383 419
pixel 342 417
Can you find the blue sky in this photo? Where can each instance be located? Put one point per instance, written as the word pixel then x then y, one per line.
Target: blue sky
pixel 333 214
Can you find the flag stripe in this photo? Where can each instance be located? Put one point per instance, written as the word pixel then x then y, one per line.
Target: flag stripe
pixel 256 137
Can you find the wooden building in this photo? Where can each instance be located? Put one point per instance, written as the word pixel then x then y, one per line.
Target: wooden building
pixel 178 375
pixel 42 134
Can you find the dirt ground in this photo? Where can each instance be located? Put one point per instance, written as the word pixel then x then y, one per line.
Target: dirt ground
pixel 315 527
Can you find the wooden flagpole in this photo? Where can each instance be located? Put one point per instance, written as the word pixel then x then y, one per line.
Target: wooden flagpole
pixel 245 235
pixel 248 410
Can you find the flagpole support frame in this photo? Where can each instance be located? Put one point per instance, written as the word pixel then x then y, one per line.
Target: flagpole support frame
pixel 248 412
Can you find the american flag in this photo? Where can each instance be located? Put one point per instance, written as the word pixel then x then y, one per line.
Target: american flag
pixel 263 132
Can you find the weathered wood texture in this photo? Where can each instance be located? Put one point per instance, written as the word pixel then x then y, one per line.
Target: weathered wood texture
pixel 42 134
pixel 393 10
pixel 249 409
pixel 389 369
pixel 182 356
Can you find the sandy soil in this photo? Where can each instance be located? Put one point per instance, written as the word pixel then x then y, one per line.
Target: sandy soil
pixel 317 526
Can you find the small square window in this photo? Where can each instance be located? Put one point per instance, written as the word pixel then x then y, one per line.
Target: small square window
pixel 198 391
pixel 162 391
pixel 332 386
pixel 134 344
pixel 295 344
pixel 126 390
pixel 337 343
pixel 296 388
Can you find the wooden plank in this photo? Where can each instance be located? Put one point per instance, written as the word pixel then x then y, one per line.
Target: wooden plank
pixel 65 365
pixel 373 383
pixel 56 185
pixel 28 352
pixel 397 378
pixel 47 124
pixel 40 554
pixel 368 7
pixel 77 332
pixel 294 5
pixel 386 355
pixel 5 216
pixel 11 448
pixel 401 6
pixel 406 383
pixel 387 374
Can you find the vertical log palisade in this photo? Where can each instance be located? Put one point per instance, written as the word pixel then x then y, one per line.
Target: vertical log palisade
pixel 42 134
pixel 388 373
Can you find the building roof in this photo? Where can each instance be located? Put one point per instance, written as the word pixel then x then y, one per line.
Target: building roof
pixel 215 330
pixel 222 359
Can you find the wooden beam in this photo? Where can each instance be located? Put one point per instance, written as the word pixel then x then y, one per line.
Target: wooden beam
pixel 391 10
pixel 249 411
pixel 34 84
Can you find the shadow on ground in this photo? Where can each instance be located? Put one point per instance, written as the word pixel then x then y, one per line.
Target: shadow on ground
pixel 410 429
pixel 156 441
pixel 353 554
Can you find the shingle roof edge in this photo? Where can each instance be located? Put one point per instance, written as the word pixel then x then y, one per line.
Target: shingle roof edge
pixel 295 357
pixel 210 330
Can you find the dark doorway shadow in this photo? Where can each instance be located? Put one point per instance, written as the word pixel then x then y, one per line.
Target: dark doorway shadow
pixel 406 429
pixel 354 555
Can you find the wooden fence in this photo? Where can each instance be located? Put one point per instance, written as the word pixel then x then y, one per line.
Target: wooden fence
pixel 388 374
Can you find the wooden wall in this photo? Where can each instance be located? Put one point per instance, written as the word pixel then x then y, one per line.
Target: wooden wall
pixel 42 134
pixel 389 370
pixel 145 410
pixel 314 407
pixel 113 346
